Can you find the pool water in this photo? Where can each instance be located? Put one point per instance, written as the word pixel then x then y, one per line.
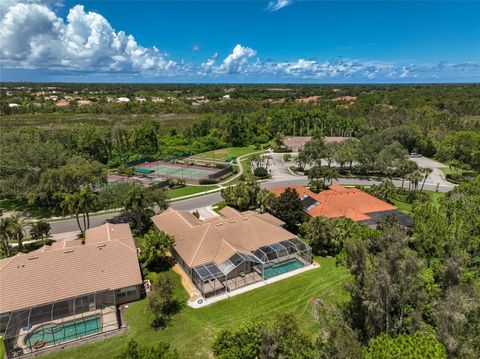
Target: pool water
pixel 282 268
pixel 59 333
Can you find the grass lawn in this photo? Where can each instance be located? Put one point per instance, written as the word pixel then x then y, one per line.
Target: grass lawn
pixel 187 190
pixel 7 204
pixel 402 206
pixel 246 166
pixel 454 170
pixel 192 331
pixel 408 208
pixel 226 153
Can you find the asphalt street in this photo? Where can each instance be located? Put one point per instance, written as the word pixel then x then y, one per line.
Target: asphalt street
pixel 209 199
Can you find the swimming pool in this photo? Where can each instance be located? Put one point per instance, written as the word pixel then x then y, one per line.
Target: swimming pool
pixel 59 333
pixel 281 268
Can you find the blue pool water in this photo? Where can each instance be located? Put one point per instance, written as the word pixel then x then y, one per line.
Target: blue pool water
pixel 282 267
pixel 59 333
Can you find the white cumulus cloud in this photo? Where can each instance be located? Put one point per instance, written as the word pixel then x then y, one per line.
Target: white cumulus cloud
pixel 33 36
pixel 239 57
pixel 207 66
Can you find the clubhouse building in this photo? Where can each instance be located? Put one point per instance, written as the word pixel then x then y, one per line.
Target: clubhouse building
pixel 233 250
pixel 339 201
pixel 68 291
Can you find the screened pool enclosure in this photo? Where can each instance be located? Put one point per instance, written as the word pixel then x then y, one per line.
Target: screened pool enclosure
pixel 243 269
pixel 37 328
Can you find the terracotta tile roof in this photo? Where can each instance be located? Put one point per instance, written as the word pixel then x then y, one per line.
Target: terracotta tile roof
pixel 107 260
pixel 218 239
pixel 339 201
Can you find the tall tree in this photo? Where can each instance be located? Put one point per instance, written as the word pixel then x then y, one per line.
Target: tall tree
pixel 4 236
pixel 154 246
pixel 426 173
pixel 288 208
pixel 160 300
pixel 140 200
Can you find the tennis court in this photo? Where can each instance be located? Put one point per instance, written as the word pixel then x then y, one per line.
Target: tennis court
pixel 169 170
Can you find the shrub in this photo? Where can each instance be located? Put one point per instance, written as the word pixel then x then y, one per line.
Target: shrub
pixel 418 345
pixel 207 181
pixel 260 172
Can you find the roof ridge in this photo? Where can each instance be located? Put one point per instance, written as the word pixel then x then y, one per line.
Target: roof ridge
pixel 108 231
pixel 200 244
pixel 123 244
pixel 8 260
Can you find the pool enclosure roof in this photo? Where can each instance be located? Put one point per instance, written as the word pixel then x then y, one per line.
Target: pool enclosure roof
pixel 260 256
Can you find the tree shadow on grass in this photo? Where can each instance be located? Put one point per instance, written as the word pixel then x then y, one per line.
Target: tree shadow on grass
pixel 173 308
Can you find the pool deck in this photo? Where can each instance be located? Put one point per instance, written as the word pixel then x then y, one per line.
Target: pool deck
pixel 193 302
pixel 107 318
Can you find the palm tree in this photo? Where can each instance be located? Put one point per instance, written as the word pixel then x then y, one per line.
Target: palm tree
pixel 405 168
pixel 16 229
pixel 426 173
pixel 414 178
pixel 154 246
pixel 4 235
pixel 87 201
pixel 330 174
pixel 70 205
pixel 80 203
pixel 387 188
pixel 137 203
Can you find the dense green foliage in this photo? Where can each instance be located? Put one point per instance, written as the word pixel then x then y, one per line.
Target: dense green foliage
pixel 288 208
pixel 405 346
pixel 48 151
pixel 159 351
pixel 280 339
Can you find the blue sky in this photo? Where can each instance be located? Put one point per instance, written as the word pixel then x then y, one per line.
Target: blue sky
pixel 240 41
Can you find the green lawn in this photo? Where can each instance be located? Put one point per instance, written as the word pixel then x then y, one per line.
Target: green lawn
pixel 7 204
pixel 226 153
pixel 402 206
pixel 193 330
pixel 246 166
pixel 408 208
pixel 454 170
pixel 187 190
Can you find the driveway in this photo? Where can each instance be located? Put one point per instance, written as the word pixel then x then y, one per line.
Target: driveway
pixel 437 176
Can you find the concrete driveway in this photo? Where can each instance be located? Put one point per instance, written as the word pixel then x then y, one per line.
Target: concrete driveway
pixel 437 176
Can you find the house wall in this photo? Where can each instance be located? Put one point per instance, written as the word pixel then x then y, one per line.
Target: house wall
pixel 182 263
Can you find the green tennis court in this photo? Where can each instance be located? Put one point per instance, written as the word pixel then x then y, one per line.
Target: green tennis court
pixel 180 171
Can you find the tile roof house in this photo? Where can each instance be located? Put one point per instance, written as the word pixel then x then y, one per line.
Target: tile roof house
pixel 339 201
pixel 103 273
pixel 235 244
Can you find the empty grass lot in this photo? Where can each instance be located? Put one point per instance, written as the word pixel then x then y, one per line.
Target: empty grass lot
pixel 226 153
pixel 192 331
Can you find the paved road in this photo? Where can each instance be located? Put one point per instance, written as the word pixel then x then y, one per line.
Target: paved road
pixel 281 177
pixel 209 199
